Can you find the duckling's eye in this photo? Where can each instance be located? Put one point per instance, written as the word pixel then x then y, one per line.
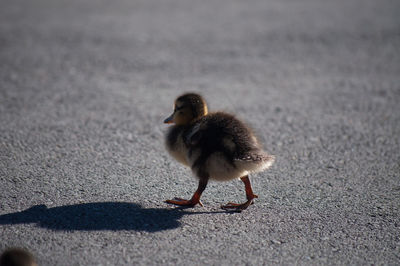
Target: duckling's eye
pixel 178 108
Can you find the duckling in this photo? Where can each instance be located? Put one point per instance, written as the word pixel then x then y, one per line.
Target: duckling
pixel 216 146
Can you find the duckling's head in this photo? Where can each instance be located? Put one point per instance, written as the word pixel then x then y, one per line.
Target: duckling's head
pixel 187 108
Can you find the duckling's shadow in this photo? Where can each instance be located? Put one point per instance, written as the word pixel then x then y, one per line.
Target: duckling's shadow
pixel 112 216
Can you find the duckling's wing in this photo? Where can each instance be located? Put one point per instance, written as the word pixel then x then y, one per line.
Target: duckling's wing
pixel 238 145
pixel 224 147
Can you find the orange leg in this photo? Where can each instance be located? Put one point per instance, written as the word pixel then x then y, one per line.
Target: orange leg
pixel 249 195
pixel 195 198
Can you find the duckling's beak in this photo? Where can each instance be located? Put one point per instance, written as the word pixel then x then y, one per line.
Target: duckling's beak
pixel 169 120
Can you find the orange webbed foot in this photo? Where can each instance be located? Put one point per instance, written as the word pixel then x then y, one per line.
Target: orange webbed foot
pixel 237 206
pixel 183 202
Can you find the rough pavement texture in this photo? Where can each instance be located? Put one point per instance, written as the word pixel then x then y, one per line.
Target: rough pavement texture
pixel 85 86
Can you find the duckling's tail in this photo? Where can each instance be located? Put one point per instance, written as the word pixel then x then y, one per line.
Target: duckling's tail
pixel 255 161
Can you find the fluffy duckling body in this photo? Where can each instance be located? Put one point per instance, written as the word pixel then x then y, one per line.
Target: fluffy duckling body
pixel 215 146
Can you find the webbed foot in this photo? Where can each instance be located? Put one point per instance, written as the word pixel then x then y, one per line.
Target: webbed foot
pixel 237 206
pixel 182 202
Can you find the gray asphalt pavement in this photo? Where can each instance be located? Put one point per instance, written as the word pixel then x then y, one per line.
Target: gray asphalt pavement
pixel 85 86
